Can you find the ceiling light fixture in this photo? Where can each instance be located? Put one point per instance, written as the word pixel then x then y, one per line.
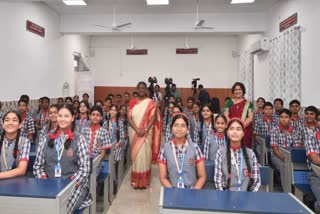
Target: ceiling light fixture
pixel 241 1
pixel 157 2
pixel 75 2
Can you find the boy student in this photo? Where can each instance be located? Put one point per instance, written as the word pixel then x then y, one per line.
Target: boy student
pixel 106 108
pixel 85 97
pixel 278 105
pixel 309 127
pixel 265 125
pixel 312 145
pixel 126 97
pixel 296 120
pixel 282 136
pixel 188 109
pixel 27 128
pixel 43 116
pixel 118 100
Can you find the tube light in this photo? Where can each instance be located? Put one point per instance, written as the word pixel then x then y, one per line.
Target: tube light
pixel 241 1
pixel 157 2
pixel 75 2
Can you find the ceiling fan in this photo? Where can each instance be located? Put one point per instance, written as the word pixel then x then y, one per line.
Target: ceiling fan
pixel 199 22
pixel 115 26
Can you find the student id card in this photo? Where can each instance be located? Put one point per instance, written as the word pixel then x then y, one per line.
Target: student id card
pixel 57 171
pixel 180 183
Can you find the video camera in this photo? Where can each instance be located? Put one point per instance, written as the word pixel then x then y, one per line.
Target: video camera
pixel 194 82
pixel 152 81
pixel 168 82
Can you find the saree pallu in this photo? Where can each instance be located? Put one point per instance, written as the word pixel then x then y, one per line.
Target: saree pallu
pixel 144 150
pixel 241 110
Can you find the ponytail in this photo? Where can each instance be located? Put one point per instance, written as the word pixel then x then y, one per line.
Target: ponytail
pixel 246 158
pixel 228 164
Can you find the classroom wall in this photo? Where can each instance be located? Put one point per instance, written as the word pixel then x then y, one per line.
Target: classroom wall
pixel 308 16
pixel 31 64
pixel 214 65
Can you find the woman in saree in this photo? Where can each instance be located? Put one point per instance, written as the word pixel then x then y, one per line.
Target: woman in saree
pixel 144 135
pixel 239 107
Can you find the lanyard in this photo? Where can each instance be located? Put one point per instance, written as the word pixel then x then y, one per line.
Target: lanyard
pixel 92 143
pixel 175 158
pixel 268 127
pixel 239 171
pixel 60 147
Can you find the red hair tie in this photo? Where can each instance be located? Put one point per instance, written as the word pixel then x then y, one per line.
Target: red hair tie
pixel 229 176
pixel 250 175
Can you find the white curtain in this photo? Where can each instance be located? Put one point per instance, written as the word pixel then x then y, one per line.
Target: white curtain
pixel 246 72
pixel 285 69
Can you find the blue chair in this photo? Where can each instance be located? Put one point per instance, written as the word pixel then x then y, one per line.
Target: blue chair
pixel 209 166
pixel 266 174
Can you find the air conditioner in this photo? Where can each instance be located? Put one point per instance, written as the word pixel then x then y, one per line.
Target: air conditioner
pixel 261 45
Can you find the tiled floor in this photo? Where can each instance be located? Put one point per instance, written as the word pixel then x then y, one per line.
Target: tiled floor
pixel 133 201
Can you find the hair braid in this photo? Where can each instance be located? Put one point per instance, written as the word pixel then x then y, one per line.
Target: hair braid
pixel 246 158
pixel 228 164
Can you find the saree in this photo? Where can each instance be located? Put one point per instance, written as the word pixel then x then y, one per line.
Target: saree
pixel 144 150
pixel 241 110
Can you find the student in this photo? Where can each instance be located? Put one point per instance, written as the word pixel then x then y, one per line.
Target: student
pixel 180 161
pixel 111 125
pixel 123 133
pixel 188 109
pixel 167 121
pixel 296 120
pixel 29 112
pixel 43 116
pixel 65 155
pixel 85 97
pixel 259 111
pixel 265 125
pixel 83 118
pixel 313 153
pixel 215 103
pixel 126 99
pixel 68 100
pixel 206 125
pixel 52 126
pixel 236 167
pixel 278 105
pixel 217 139
pixel 175 110
pixel 106 108
pixel 118 100
pixel 179 102
pixel 14 148
pixel 195 122
pixel 99 103
pixel 134 94
pixel 309 127
pixel 76 97
pixel 282 137
pixel 27 128
pixel 75 105
pixel 96 136
pixel 60 101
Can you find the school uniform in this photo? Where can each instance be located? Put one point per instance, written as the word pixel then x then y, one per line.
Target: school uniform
pixel 257 115
pixel 263 129
pixel 297 123
pixel 44 133
pixel 166 122
pixel 312 145
pixel 276 116
pixel 188 112
pixel 194 129
pixel 238 164
pixel 6 158
pixel 281 139
pixel 27 127
pixel 43 118
pixel 189 154
pixel 81 123
pixel 75 164
pixel 168 132
pixel 98 139
pixel 303 132
pixel 1 122
pixel 123 138
pixel 212 144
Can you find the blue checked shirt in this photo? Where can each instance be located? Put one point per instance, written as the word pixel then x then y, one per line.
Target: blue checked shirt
pixel 312 145
pixel 284 140
pixel 263 127
pixel 27 127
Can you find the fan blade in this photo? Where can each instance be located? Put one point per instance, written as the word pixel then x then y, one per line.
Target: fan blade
pixel 204 27
pixel 199 23
pixel 101 26
pixel 123 25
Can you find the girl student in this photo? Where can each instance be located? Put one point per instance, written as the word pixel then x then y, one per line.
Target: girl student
pixel 195 122
pixel 76 104
pixel 52 126
pixel 176 109
pixel 236 167
pixel 83 118
pixel 123 132
pixel 167 118
pixel 65 155
pixel 206 125
pixel 180 161
pixel 14 148
pixel 96 136
pixel 217 139
pixel 27 127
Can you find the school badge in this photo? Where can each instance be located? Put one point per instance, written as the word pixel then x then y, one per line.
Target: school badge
pixel 245 172
pixel 191 161
pixel 70 152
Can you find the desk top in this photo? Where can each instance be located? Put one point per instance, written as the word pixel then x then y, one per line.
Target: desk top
pixel 231 201
pixel 32 187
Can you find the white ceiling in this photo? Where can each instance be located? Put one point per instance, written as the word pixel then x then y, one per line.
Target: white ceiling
pixel 175 6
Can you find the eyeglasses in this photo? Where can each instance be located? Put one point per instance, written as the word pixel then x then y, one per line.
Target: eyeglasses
pixel 182 126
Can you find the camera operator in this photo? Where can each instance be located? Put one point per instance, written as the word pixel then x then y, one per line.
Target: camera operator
pixel 174 91
pixel 203 95
pixel 157 96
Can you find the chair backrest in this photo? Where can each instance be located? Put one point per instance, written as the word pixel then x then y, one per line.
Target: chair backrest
pixel 264 174
pixel 298 155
